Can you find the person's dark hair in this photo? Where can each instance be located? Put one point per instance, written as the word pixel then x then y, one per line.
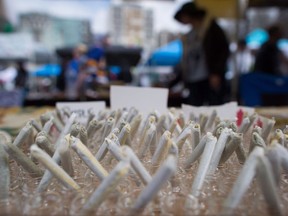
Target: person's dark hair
pixel 190 9
pixel 274 30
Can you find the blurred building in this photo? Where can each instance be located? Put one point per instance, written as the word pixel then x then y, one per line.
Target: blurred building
pixel 131 25
pixel 54 32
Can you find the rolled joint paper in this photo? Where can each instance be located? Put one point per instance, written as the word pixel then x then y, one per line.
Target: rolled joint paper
pixel 124 134
pixel 22 160
pixel 88 158
pixel 268 186
pixel 197 152
pixel 174 150
pixel 57 122
pixel 267 129
pixel 196 135
pixel 181 119
pixel 114 148
pixel 231 146
pixel 43 142
pixel 160 126
pixel 204 165
pixel 135 125
pixel 233 126
pixel 148 142
pixel 180 140
pixel 105 188
pixel 93 126
pixel 101 153
pixel 45 117
pixel 202 121
pixel 173 125
pixel 211 121
pixel 35 124
pixel 136 164
pixel 240 152
pixel 107 128
pixel 275 159
pixel 47 126
pixel 23 135
pixel 53 167
pixel 83 135
pixel 162 149
pixel 163 174
pixel 91 116
pixel 4 168
pixel 218 151
pixel 256 140
pixel 244 126
pixel 65 156
pixel 67 128
pixel 282 154
pixel 75 129
pixel 149 121
pixel 243 181
pixel 279 136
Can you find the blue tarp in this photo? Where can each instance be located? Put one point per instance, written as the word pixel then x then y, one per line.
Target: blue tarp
pixel 254 85
pixel 48 70
pixel 168 55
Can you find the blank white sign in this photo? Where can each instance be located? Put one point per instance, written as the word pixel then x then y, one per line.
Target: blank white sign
pixel 142 98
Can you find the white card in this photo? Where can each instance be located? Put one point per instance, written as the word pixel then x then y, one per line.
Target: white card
pixel 142 98
pixel 82 108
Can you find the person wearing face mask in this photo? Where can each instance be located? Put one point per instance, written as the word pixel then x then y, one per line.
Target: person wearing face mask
pixel 204 59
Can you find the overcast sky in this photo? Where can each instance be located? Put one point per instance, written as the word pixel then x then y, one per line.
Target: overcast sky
pixel 94 10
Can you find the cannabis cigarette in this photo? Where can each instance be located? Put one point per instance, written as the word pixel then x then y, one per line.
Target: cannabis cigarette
pixel 106 187
pixel 234 142
pixel 44 143
pixel 204 165
pixel 221 142
pixel 163 174
pixel 23 135
pixel 196 152
pixel 88 158
pixel 83 135
pixel 24 161
pixel 148 142
pixel 136 164
pixel 268 185
pixel 65 156
pixel 4 168
pixel 243 181
pixel 162 148
pixel 53 167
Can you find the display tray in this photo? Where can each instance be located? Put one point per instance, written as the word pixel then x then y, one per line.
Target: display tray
pixel 118 162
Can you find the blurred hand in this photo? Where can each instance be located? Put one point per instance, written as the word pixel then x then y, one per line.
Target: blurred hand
pixel 215 82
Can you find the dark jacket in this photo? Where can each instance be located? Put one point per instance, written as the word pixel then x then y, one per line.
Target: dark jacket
pixel 216 48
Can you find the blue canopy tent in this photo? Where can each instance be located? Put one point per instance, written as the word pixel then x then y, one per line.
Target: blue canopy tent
pixel 48 70
pixel 168 55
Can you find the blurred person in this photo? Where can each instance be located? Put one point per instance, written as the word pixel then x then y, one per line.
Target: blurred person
pixel 205 55
pixel 241 62
pixel 73 69
pixel 244 58
pixel 269 58
pixel 21 78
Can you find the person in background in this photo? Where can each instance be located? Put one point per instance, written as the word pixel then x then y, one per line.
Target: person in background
pixel 73 70
pixel 21 78
pixel 270 58
pixel 205 55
